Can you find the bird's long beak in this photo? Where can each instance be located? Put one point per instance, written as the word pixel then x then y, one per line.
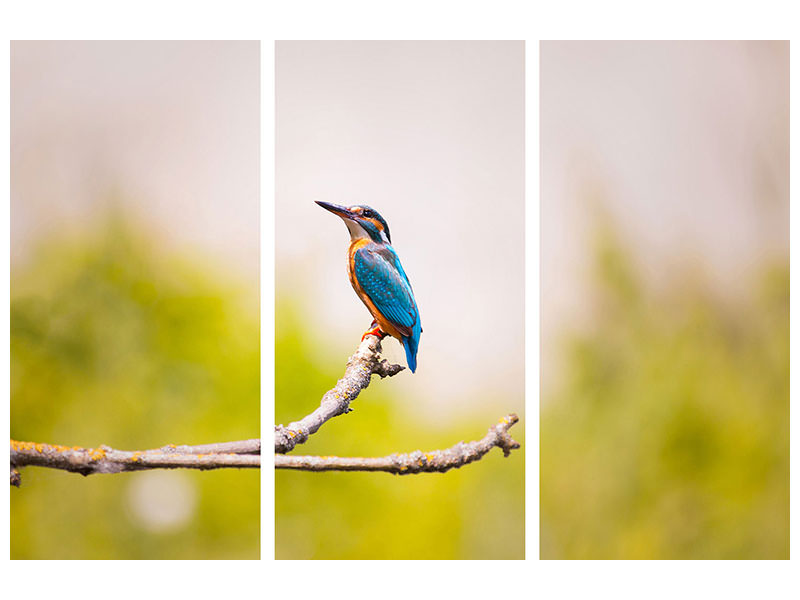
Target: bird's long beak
pixel 341 211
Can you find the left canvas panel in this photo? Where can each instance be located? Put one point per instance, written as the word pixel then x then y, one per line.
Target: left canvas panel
pixel 135 300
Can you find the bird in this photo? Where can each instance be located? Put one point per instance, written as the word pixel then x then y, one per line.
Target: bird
pixel 378 278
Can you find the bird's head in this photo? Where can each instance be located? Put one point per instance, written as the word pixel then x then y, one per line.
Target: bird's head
pixel 362 222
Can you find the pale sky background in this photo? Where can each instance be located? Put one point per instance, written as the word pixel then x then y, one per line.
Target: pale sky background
pixel 169 129
pixel 431 134
pixel 686 145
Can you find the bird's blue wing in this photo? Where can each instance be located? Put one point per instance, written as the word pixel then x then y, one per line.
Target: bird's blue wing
pixel 382 277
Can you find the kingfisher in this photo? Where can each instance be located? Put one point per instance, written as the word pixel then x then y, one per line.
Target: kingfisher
pixel 379 279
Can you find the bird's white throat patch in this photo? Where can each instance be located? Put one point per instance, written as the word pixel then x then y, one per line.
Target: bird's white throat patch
pixel 357 232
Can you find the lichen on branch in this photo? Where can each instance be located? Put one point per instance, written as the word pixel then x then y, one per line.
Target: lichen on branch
pixel 103 459
pixel 436 461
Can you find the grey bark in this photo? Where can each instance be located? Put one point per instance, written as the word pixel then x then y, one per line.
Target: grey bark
pixel 365 363
pixel 436 461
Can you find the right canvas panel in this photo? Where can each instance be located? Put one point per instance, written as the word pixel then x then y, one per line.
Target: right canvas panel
pixel 665 300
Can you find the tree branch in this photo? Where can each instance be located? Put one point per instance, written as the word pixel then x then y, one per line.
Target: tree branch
pixel 360 367
pixel 87 461
pixel 437 461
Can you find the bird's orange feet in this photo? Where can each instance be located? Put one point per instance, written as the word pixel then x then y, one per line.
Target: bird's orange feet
pixel 375 330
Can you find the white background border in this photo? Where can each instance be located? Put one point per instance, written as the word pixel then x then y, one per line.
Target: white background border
pixel 412 19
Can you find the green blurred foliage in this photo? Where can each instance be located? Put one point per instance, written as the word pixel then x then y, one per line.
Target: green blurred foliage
pixel 669 436
pixel 476 512
pixel 112 342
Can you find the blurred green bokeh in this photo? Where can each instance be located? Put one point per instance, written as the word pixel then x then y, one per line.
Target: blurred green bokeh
pixel 476 512
pixel 668 437
pixel 114 342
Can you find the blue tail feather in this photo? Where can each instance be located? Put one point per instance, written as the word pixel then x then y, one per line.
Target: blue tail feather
pixel 410 344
